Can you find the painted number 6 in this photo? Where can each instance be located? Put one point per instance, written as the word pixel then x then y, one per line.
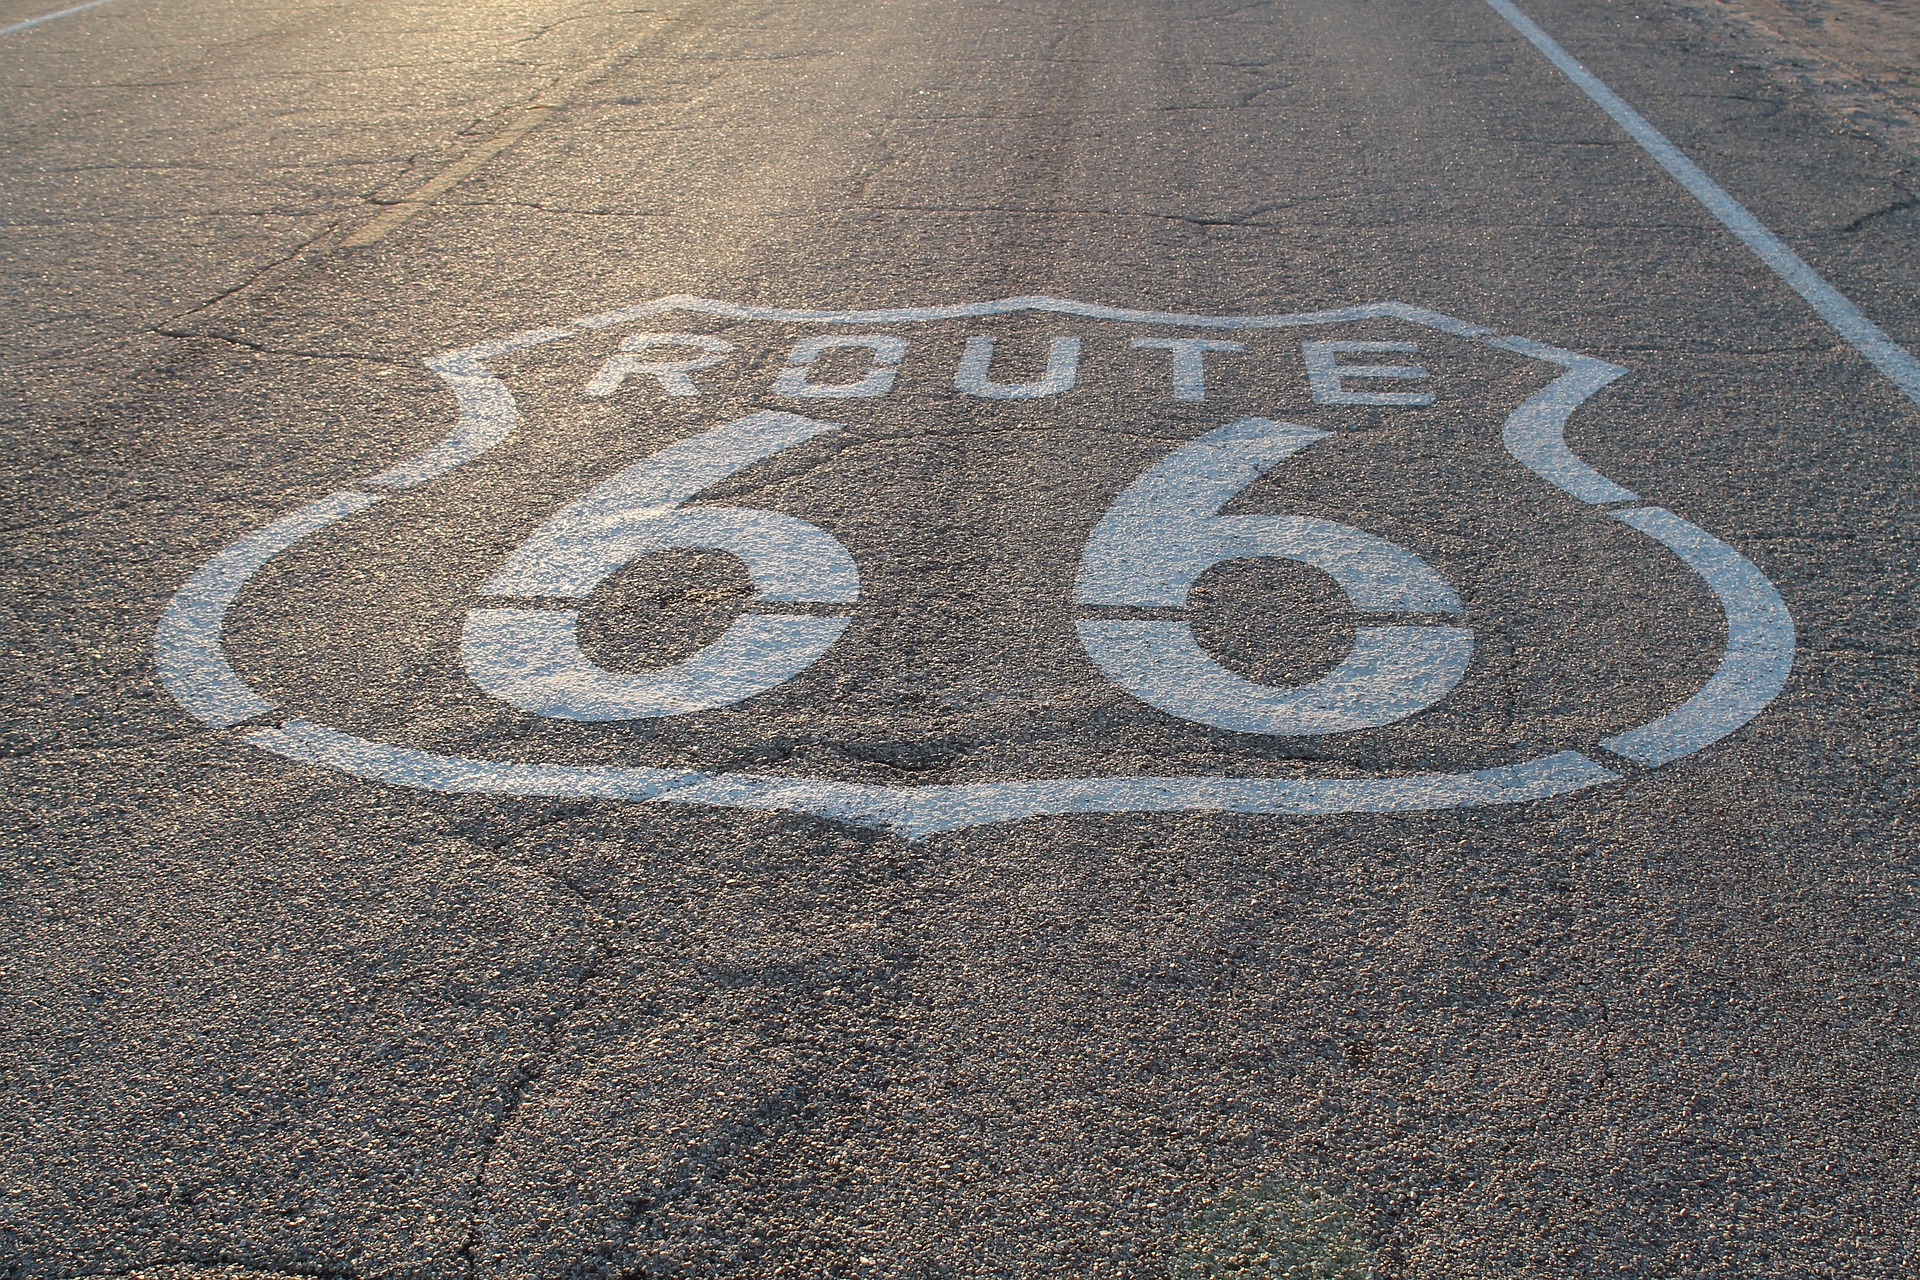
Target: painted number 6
pixel 1166 530
pixel 531 658
pixel 1149 549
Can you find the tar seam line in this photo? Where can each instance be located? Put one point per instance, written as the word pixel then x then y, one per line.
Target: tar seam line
pixel 1847 320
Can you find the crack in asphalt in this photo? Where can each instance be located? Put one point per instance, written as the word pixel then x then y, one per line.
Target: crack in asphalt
pixel 201 166
pixel 315 74
pixel 785 1101
pixel 1848 93
pixel 540 32
pixel 260 348
pixel 720 1145
pixel 259 277
pixel 529 1072
pixel 1249 218
pixel 501 202
pixel 54 747
pixel 173 219
pixel 512 1093
pixel 1899 206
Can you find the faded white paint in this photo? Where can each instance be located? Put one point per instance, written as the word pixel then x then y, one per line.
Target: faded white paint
pixel 531 658
pixel 974 376
pixel 195 670
pixel 1166 530
pixel 26 23
pixel 888 351
pixel 674 376
pixel 1189 361
pixel 1327 376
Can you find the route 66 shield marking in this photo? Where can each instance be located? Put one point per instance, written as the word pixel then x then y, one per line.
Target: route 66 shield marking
pixel 935 567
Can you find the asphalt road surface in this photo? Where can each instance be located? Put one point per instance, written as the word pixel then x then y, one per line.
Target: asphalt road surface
pixel 953 638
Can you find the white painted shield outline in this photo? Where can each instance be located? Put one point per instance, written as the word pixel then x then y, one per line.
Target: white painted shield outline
pixel 1759 654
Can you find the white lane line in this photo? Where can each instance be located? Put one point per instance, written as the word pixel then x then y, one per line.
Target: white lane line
pixel 1866 337
pixel 24 23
